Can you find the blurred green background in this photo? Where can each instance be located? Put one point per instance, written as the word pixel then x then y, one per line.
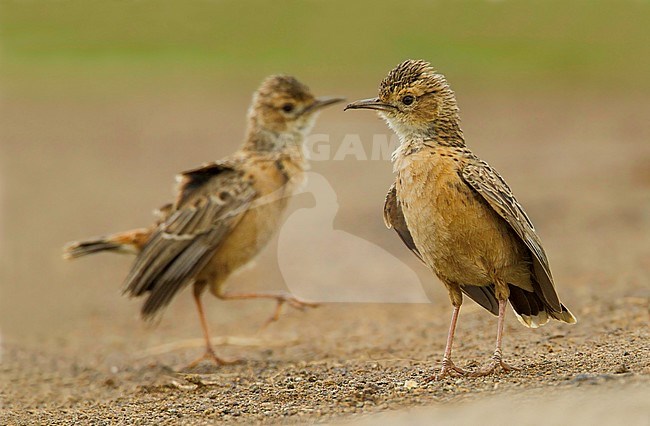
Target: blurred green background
pixel 92 45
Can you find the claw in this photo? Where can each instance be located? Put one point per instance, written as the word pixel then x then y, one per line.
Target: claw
pixel 449 369
pixel 292 301
pixel 495 363
pixel 211 356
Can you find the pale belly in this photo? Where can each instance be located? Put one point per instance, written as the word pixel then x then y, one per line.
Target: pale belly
pixel 251 235
pixel 459 236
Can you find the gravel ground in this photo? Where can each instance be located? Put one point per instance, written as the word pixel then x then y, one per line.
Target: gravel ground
pixel 364 366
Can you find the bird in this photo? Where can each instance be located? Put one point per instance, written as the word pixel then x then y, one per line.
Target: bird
pixel 457 214
pixel 224 212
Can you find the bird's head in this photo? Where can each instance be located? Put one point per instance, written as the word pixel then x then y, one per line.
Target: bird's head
pixel 282 104
pixel 413 99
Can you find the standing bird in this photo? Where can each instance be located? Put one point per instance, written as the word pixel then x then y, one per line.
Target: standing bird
pixel 456 213
pixel 225 212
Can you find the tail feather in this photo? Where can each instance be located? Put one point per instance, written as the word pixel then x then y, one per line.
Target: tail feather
pixel 564 316
pixel 77 249
pixel 129 242
pixel 531 310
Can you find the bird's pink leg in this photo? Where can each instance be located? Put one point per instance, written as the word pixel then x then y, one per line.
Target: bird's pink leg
pixel 280 298
pixel 209 350
pixel 497 360
pixel 448 367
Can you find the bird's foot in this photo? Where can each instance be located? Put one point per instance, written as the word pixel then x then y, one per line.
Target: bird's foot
pixel 448 369
pixel 292 301
pixel 210 355
pixel 493 365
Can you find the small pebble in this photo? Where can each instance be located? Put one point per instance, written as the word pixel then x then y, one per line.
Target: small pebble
pixel 410 384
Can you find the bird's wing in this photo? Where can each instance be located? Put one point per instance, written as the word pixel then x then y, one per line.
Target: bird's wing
pixel 394 218
pixel 211 201
pixel 162 213
pixel 491 186
pixel 483 295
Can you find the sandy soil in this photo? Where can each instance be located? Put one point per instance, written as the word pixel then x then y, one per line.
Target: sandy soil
pixel 75 351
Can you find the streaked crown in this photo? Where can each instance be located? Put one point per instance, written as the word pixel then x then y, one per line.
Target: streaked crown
pixel 416 77
pixel 280 103
pixel 277 88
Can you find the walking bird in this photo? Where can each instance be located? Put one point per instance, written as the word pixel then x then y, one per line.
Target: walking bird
pixel 224 212
pixel 456 213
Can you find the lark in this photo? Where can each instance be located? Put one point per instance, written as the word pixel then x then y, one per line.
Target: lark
pixel 457 214
pixel 224 213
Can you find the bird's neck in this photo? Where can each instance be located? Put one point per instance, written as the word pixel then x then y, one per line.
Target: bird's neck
pixel 261 138
pixel 277 146
pixel 442 134
pixel 444 131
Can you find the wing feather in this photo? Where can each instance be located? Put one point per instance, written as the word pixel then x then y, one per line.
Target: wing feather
pixel 491 186
pixel 484 296
pixel 394 218
pixel 211 201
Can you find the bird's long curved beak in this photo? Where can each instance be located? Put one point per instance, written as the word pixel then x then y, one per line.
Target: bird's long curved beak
pixel 373 103
pixel 322 102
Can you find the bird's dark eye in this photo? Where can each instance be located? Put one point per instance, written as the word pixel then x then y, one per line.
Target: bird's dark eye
pixel 408 100
pixel 287 107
